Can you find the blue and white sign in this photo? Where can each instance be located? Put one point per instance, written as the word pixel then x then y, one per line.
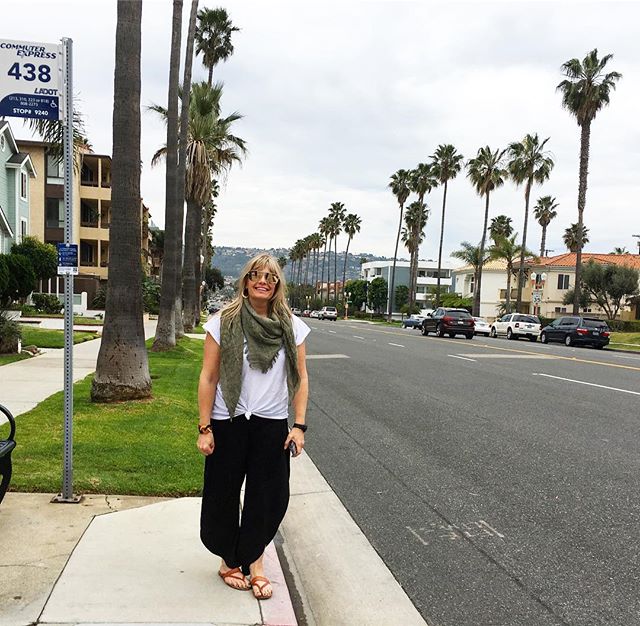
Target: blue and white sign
pixel 67 258
pixel 30 79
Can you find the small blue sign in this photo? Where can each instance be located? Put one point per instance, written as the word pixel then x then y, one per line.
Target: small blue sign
pixel 67 254
pixel 30 105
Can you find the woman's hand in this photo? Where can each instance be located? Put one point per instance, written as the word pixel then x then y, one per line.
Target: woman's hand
pixel 206 443
pixel 297 436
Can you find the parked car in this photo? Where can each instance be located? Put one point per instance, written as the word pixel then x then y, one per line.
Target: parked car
pixel 588 331
pixel 315 314
pixel 328 313
pixel 450 322
pixel 482 327
pixel 413 321
pixel 296 311
pixel 516 325
pixel 306 313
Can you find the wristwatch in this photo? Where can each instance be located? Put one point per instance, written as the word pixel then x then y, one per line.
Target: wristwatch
pixel 203 430
pixel 302 427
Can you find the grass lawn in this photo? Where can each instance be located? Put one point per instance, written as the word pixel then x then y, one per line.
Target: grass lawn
pixel 77 319
pixel 198 330
pixel 617 339
pixel 50 338
pixel 11 358
pixel 146 447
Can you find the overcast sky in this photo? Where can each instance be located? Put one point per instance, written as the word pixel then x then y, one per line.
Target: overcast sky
pixel 339 95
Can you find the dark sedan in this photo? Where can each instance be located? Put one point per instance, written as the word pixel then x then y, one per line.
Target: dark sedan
pixel 574 330
pixel 452 322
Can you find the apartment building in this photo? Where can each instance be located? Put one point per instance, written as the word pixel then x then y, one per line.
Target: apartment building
pixel 493 290
pixel 427 276
pixel 17 178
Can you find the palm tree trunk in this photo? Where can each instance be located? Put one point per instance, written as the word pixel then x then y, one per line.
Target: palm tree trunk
pixel 184 137
pixel 444 204
pixel 476 295
pixel 527 193
pixel 324 256
pixel 306 271
pixel 188 273
pixel 335 271
pixel 315 270
pixel 507 303
pixel 122 370
pixel 543 242
pixel 585 137
pixel 165 338
pixel 393 271
pixel 344 269
pixel 329 271
pixel 210 76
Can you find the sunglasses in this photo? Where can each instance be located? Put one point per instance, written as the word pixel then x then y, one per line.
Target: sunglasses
pixel 268 277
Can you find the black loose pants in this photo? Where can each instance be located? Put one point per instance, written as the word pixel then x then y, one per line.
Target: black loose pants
pixel 251 448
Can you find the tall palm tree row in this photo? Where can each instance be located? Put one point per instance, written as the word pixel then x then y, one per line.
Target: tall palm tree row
pixel 544 211
pixel 352 223
pixel 585 90
pixel 213 38
pixel 486 172
pixel 446 163
pixel 122 369
pixel 399 186
pixel 415 220
pixel 529 163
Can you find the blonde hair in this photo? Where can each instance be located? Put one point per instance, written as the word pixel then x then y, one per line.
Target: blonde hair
pixel 277 305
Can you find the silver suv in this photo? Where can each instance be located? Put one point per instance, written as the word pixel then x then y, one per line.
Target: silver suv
pixel 328 313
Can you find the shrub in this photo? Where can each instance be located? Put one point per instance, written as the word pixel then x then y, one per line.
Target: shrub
pixel 22 278
pixel 624 326
pixel 46 303
pixel 43 256
pixel 10 334
pixel 151 295
pixel 100 299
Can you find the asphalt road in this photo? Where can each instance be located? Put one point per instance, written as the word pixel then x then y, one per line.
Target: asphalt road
pixel 499 480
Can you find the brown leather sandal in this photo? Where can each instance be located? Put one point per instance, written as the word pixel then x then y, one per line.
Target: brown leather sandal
pixel 255 582
pixel 232 574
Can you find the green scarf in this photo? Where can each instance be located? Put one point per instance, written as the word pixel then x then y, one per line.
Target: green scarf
pixel 265 336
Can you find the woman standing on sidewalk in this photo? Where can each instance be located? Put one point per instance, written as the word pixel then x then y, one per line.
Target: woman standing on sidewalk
pixel 253 366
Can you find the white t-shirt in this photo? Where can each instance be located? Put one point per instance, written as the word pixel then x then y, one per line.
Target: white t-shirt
pixel 266 394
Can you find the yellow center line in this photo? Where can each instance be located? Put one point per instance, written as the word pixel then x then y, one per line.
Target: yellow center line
pixel 573 359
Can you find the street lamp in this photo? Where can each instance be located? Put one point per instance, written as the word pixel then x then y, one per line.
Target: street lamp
pixel 346 305
pixel 638 237
pixel 308 302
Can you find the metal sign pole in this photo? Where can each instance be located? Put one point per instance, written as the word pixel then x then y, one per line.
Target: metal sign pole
pixel 67 474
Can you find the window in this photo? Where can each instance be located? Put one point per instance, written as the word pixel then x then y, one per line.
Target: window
pixel 23 185
pixel 2 143
pixel 560 309
pixel 54 213
pixel 472 284
pixel 23 229
pixel 421 273
pixel 55 168
pixel 563 281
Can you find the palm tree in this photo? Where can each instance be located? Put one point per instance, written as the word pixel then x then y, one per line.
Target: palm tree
pixel 122 369
pixel 415 220
pixel 307 251
pixel 486 172
pixel 470 255
pixel 213 38
pixel 165 337
pixel 618 250
pixel 528 163
pixel 211 149
pixel 446 163
pixel 544 212
pixel 422 180
pixel 506 249
pixel 282 261
pixel 351 224
pixel 572 239
pixel 324 228
pixel 585 91
pixel 336 215
pixel 318 242
pixel 399 186
pixel 500 226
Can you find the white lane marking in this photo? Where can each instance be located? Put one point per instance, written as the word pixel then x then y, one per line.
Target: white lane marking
pixel 582 382
pixel 464 358
pixel 398 345
pixel 327 356
pixel 475 355
pixel 358 337
pixel 417 536
pixel 332 331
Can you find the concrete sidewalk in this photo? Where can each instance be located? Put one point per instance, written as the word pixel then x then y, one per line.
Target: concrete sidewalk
pixel 131 560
